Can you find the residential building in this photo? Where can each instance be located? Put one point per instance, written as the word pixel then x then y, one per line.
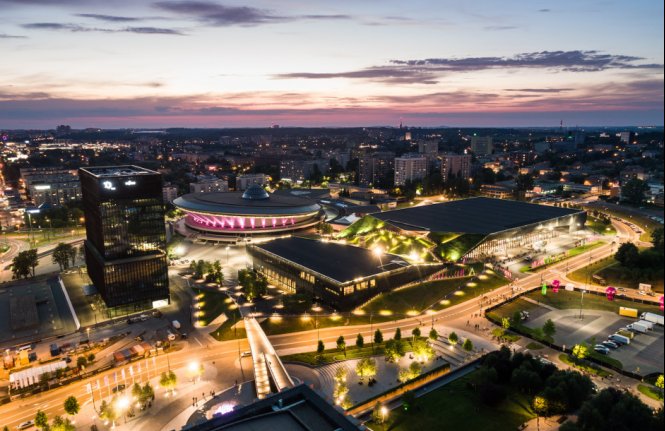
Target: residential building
pixel 455 165
pixel 243 181
pixel 409 168
pixel 375 169
pixel 208 184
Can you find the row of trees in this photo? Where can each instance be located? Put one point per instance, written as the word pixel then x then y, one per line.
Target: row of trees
pixel 24 263
pixel 63 254
pixel 211 270
pixel 254 284
pixel 646 264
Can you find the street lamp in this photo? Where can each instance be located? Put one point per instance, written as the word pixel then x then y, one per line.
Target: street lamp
pixel 30 212
pixel 384 413
pixel 122 404
pixel 227 254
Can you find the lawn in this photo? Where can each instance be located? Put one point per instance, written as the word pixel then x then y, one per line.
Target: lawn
pixel 566 300
pixel 590 368
pixel 613 273
pixel 599 227
pixel 212 305
pixel 221 303
pixel 456 406
pixel 436 294
pixel 570 253
pixel 333 355
pixel 650 391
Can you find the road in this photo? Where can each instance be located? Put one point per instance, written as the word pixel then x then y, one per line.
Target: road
pixel 225 354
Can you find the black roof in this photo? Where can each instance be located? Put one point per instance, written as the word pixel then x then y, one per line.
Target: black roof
pixel 296 409
pixel 244 203
pixel 340 262
pixel 476 215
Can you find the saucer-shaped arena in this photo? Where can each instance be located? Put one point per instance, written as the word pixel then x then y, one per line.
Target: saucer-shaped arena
pixel 252 212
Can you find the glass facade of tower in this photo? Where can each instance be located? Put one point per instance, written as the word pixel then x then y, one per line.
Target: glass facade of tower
pixel 126 239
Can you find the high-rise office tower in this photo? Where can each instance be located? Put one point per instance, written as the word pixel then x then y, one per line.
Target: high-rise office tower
pixel 125 249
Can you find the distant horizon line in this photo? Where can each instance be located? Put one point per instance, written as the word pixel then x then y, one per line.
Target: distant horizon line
pixel 161 129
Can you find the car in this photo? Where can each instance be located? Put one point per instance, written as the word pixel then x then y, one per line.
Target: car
pixel 183 335
pixel 119 388
pixel 156 313
pixel 25 425
pixel 68 359
pixel 610 344
pixel 143 317
pixel 245 354
pixel 601 349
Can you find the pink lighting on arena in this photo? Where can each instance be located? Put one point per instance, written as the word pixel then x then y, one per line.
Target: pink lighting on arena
pixel 238 223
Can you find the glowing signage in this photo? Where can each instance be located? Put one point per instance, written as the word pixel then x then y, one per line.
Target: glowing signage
pixel 130 183
pixel 108 185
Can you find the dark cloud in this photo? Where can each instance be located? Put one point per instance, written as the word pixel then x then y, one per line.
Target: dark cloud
pixel 11 36
pixel 383 74
pixel 220 15
pixel 108 18
pixel 539 90
pixel 152 30
pixel 544 10
pixel 578 61
pixel 80 28
pixel 429 71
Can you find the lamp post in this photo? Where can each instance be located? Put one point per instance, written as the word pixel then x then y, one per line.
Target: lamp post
pixel 30 233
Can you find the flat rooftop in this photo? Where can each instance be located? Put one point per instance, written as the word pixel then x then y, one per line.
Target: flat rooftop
pixel 296 409
pixel 118 171
pixel 340 262
pixel 475 215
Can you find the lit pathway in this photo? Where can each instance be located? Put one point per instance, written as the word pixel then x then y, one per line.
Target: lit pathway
pixel 267 365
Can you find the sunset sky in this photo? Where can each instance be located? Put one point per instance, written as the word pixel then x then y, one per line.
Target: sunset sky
pixel 131 63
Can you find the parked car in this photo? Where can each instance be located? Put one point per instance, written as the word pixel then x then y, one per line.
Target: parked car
pixel 610 344
pixel 601 349
pixel 119 388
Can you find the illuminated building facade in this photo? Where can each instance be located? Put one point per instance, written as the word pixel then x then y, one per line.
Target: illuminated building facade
pixel 248 213
pixel 125 247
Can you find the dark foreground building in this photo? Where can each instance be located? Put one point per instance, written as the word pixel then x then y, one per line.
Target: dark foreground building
pixel 343 276
pixel 125 249
pixel 297 409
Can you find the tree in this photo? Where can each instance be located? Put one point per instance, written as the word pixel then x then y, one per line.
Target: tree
pixel 366 368
pixel 659 384
pixel 628 255
pixel 398 334
pixel 91 357
pixel 415 332
pixel 657 239
pixel 613 409
pixel 62 254
pixel 62 424
pixel 360 341
pixel 107 412
pixel 468 345
pixel 505 323
pixel 453 338
pixel 168 380
pixel 549 329
pixel 341 344
pixel 320 347
pixel 41 420
pixel 526 380
pixel 516 319
pixel 523 183
pixel 394 349
pixel 24 263
pixel 72 406
pixel 634 191
pixel 422 350
pixel 580 351
pixel 378 336
pixel 433 334
pixel 81 362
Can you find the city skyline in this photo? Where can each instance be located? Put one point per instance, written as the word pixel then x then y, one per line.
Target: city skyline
pixel 229 64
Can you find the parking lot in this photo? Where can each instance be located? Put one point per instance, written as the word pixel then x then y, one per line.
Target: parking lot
pixel 644 355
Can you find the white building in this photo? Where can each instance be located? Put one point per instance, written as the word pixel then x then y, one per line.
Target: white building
pixel 410 168
pixel 209 184
pixel 245 180
pixel 453 165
